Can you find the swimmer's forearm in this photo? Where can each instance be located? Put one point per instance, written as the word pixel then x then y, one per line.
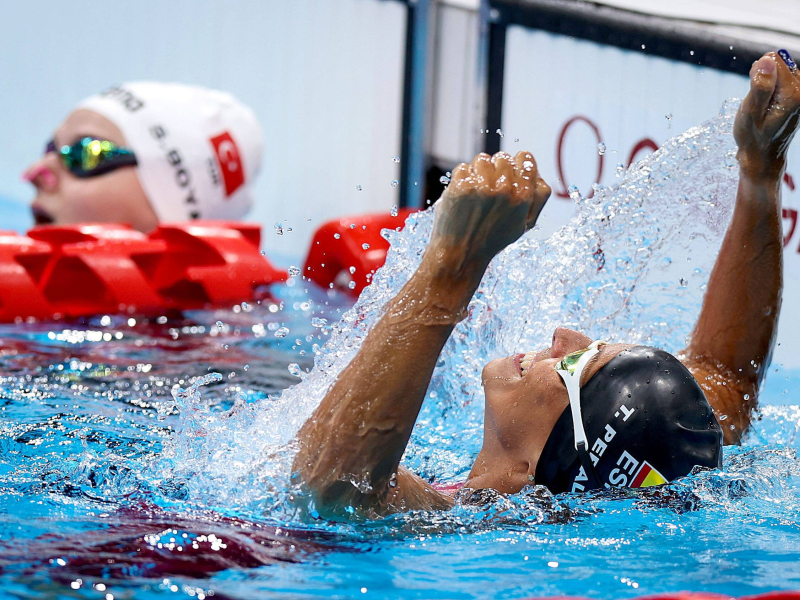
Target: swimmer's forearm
pixel 361 429
pixel 738 321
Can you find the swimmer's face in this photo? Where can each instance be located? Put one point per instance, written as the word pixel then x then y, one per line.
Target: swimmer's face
pixel 63 199
pixel 525 396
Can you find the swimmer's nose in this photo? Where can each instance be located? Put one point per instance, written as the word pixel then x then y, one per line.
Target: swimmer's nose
pixel 41 176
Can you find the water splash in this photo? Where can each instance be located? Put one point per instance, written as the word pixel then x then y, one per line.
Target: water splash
pixel 630 266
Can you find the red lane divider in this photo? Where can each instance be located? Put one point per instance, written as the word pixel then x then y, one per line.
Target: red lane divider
pixel 88 269
pixel 350 249
pixel 80 270
pixel 22 261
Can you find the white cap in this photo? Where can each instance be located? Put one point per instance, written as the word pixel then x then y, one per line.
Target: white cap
pixel 198 150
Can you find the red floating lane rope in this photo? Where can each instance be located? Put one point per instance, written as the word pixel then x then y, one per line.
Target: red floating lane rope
pixel 86 269
pixel 346 252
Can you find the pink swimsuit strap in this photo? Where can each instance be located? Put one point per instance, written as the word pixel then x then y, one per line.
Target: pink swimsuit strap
pixel 448 488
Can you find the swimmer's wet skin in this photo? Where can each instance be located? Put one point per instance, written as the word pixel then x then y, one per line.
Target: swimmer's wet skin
pixel 648 417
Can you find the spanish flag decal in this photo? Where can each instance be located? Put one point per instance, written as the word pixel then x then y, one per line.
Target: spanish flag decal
pixel 647 476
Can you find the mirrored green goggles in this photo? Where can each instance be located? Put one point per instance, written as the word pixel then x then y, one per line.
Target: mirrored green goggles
pixel 570 362
pixel 89 156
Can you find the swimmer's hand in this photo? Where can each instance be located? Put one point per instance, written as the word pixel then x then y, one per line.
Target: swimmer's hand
pixel 488 205
pixel 767 118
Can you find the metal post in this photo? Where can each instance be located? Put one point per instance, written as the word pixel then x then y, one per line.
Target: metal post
pixel 493 52
pixel 480 120
pixel 415 105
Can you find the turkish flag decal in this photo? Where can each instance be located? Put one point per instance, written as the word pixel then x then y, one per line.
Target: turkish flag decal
pixel 230 162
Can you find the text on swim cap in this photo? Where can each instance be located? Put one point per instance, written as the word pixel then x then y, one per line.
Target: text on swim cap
pixel 130 102
pixel 625 464
pixel 182 175
pixel 599 447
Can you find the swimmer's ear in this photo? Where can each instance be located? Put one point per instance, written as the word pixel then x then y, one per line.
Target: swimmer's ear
pixel 763 78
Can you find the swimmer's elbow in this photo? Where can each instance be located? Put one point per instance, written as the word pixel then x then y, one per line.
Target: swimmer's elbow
pixel 336 500
pixel 323 492
pixel 333 496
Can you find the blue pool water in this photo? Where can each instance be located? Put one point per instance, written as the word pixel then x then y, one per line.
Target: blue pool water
pixel 124 475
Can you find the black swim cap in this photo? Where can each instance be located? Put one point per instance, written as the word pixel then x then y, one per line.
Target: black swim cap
pixel 647 422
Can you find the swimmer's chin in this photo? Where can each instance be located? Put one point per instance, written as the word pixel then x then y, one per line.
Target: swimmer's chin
pixel 41 216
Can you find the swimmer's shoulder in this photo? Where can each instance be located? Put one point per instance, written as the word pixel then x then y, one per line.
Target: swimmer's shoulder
pixel 731 398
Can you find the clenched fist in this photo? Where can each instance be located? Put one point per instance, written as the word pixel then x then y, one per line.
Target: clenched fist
pixel 768 117
pixel 488 205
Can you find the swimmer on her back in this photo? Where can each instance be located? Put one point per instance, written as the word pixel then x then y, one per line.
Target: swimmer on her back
pixel 581 414
pixel 147 152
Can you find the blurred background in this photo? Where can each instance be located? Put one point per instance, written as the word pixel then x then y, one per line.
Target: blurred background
pixel 367 104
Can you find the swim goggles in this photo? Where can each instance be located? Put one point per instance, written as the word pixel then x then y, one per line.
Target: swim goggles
pixel 89 157
pixel 570 369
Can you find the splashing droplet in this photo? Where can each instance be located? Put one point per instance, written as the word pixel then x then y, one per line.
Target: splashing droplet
pixel 279 229
pixel 730 159
pixel 293 271
pixel 365 246
pixel 500 132
pixel 358 187
pixel 336 236
pixel 393 212
pixel 619 170
pixel 395 183
pixel 395 159
pixel 352 285
pixel 575 193
pixel 282 332
pixel 601 148
pixel 295 370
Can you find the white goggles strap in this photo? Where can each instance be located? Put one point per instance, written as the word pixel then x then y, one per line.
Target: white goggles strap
pixel 573 382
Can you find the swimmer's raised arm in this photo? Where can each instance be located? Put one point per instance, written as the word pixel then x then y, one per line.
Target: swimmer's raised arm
pixel 731 345
pixel 350 448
